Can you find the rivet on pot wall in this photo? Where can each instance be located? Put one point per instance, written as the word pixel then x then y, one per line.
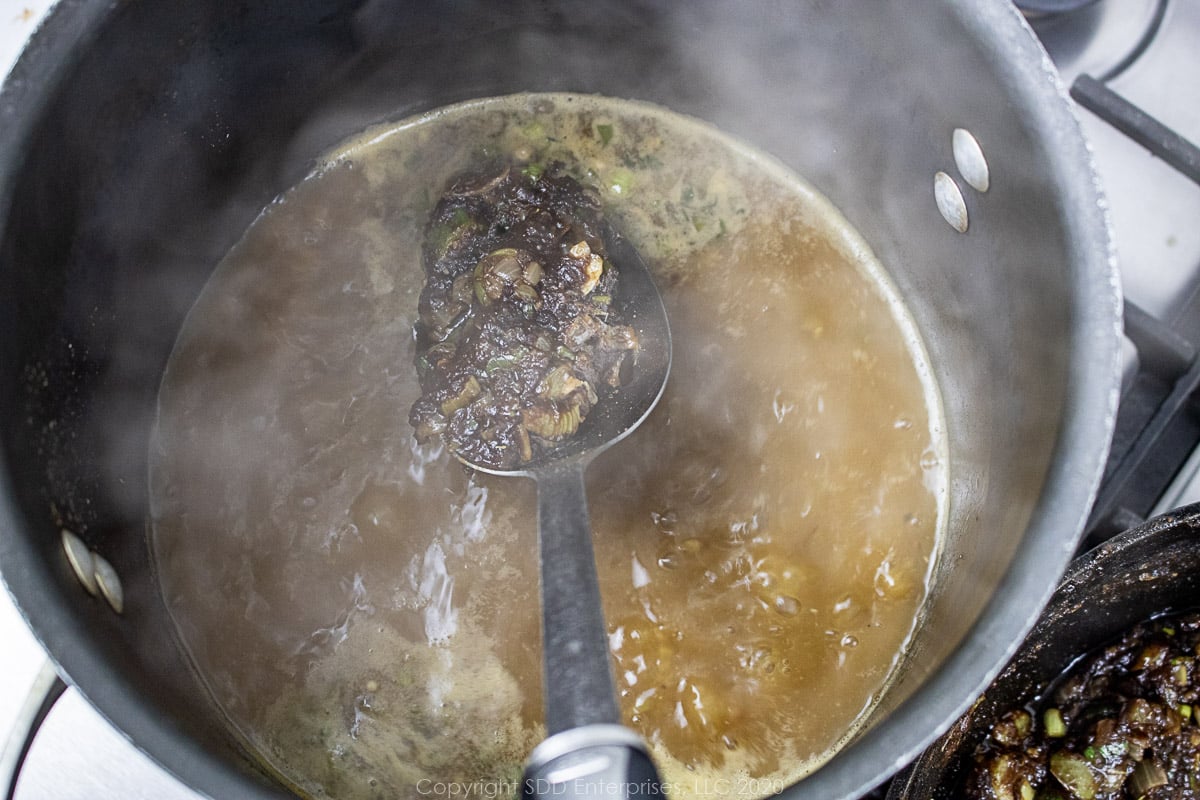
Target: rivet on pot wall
pixel 81 561
pixel 93 571
pixel 950 201
pixel 968 155
pixel 109 583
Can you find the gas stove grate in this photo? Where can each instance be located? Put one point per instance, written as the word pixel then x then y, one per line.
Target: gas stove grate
pixel 1158 425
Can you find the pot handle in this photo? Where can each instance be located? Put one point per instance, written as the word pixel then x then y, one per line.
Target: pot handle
pixel 43 694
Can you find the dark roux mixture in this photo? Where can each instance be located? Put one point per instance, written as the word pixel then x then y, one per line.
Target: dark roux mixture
pixel 1121 724
pixel 520 332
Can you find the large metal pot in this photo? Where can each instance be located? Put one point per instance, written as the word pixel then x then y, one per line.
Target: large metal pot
pixel 138 139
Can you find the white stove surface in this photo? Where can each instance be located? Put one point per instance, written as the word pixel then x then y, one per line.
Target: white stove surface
pixel 79 756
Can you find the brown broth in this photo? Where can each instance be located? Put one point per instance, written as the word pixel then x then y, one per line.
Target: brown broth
pixel 365 611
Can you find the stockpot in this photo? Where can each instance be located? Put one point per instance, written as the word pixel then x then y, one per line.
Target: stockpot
pixel 138 139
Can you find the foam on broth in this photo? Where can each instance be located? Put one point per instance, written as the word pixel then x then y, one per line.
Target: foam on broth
pixel 365 611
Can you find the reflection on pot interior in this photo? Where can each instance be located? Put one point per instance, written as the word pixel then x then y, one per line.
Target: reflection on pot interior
pixel 365 610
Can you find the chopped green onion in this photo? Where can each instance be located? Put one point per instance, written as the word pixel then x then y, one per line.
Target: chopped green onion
pixel 1146 775
pixel 1168 630
pixel 606 133
pixel 506 361
pixel 1013 728
pixel 1089 753
pixel 1053 722
pixel 999 772
pixel 1073 773
pixel 1180 674
pixel 533 171
pixel 1185 711
pixel 498 365
pixel 469 391
pixel 446 233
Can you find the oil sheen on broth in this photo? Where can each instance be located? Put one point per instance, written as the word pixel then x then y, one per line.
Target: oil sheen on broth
pixel 365 611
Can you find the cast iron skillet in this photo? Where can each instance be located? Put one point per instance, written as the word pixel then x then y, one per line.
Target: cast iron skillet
pixel 1145 571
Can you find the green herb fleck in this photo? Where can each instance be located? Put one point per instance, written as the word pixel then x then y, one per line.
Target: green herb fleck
pixel 534 131
pixel 620 181
pixel 606 133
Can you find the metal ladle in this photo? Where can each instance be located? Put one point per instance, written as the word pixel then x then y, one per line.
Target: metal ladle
pixel 588 753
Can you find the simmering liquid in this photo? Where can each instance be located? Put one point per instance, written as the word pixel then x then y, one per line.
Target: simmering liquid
pixel 365 610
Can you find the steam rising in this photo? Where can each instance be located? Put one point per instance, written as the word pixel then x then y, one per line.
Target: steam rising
pixel 305 544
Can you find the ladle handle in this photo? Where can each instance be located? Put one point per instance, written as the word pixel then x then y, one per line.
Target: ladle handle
pixel 579 686
pixel 597 762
